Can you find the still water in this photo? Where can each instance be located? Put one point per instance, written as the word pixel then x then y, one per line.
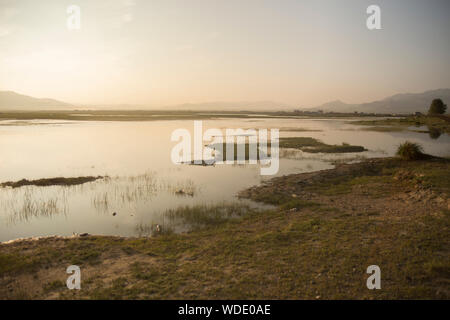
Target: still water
pixel 142 181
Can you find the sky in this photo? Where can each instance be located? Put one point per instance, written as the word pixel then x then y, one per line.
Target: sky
pixel 167 52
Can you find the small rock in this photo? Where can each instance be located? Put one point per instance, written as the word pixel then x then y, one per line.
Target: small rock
pixel 114 214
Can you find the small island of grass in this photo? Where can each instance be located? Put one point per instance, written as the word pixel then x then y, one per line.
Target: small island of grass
pixel 59 181
pixel 308 144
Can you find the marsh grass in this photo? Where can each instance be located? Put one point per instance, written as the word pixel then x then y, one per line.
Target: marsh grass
pixel 108 194
pixel 60 181
pixel 23 204
pixel 311 145
pixel 440 123
pixel 153 229
pixel 288 148
pixel 410 151
pixel 117 192
pixel 329 157
pixel 182 188
pixel 100 202
pixel 190 218
pixel 384 128
pixel 201 216
pixel 266 255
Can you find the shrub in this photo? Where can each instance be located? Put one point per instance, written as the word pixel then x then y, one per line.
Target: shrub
pixel 437 107
pixel 410 151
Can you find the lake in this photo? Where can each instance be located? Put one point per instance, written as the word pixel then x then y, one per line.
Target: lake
pixel 142 182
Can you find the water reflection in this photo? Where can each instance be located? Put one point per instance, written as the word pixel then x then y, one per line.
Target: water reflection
pixel 188 218
pixel 29 202
pixel 106 195
pixel 142 182
pixel 434 133
pixel 119 192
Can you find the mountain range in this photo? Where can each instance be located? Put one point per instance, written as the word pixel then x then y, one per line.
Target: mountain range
pixel 402 103
pixel 10 100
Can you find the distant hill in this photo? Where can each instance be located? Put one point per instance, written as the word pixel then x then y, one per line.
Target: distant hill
pixel 231 106
pixel 10 100
pixel 399 103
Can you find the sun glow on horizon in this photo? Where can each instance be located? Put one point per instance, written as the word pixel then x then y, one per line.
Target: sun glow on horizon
pixel 158 53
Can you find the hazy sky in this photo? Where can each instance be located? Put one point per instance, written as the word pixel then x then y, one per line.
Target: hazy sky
pixel 166 52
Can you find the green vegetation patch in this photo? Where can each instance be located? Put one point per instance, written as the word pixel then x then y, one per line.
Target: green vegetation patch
pixel 320 252
pixel 60 181
pixel 435 123
pixel 238 147
pixel 393 173
pixel 200 216
pixel 410 151
pixel 12 262
pixel 385 128
pixel 308 144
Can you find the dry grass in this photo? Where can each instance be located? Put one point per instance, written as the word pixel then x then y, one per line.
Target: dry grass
pixel 410 151
pixel 389 212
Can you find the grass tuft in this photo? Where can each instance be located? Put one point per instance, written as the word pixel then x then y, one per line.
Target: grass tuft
pixel 410 151
pixel 200 216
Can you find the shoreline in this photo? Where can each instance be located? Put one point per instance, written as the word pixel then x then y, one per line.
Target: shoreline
pixel 377 211
pixel 156 115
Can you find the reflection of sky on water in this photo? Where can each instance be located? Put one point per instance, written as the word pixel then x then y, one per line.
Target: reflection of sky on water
pixel 144 180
